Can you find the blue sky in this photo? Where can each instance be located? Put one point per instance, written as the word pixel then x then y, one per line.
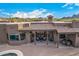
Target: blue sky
pixel 33 10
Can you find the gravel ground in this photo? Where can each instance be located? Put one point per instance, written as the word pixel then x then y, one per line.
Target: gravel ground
pixel 42 50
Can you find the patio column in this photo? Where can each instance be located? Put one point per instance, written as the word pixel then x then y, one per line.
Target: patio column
pixel 27 34
pixel 34 38
pixel 77 40
pixel 57 41
pixel 66 36
pixel 47 38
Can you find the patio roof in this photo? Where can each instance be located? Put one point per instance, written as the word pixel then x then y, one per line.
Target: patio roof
pixel 67 30
pixel 59 29
pixel 39 28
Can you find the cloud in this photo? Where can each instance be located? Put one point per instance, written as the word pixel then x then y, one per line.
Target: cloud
pixel 19 14
pixel 76 4
pixel 5 13
pixel 48 14
pixel 65 5
pixel 77 12
pixel 70 8
pixel 70 4
pixel 33 14
pixel 0 10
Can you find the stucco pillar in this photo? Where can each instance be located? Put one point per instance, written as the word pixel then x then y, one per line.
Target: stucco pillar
pixel 77 40
pixel 47 37
pixel 34 38
pixel 57 40
pixel 54 35
pixel 28 37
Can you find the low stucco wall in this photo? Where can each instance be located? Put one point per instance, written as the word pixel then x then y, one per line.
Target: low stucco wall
pixel 25 41
pixel 17 42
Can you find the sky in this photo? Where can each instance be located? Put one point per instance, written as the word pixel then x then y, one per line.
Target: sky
pixel 35 10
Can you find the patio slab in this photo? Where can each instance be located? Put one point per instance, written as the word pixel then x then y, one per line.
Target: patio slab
pixel 42 50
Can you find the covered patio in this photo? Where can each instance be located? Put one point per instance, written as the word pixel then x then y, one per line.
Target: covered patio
pixel 44 35
pixel 69 34
pixel 35 33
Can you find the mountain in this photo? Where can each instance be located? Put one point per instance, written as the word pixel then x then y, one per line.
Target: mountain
pixel 73 16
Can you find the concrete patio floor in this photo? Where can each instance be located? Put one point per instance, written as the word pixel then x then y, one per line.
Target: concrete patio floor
pixel 42 50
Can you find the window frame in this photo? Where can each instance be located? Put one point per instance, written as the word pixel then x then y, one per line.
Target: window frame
pixel 14 34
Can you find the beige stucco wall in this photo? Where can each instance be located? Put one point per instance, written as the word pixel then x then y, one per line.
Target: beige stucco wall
pixel 77 40
pixel 12 28
pixel 75 24
pixel 3 34
pixel 63 24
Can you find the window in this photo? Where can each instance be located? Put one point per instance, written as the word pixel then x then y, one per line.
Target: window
pixel 17 37
pixel 14 37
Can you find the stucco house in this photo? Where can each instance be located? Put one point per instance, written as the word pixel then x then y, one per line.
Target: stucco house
pixel 16 33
